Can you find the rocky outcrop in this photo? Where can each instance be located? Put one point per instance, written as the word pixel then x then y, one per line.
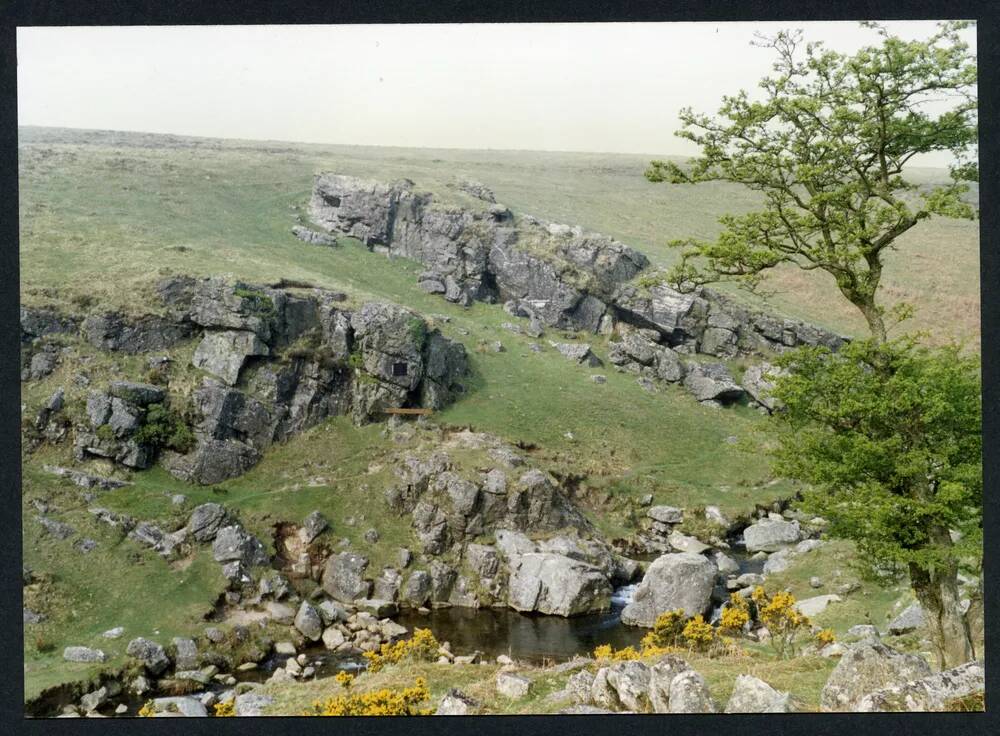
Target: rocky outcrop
pixel 678 580
pixel 116 418
pixel 668 685
pixel 706 321
pixel 771 535
pixel 865 668
pixel 562 275
pixel 115 331
pixel 311 236
pixel 283 361
pixel 932 693
pixel 449 508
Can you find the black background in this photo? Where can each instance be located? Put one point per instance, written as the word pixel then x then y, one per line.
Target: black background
pixel 212 12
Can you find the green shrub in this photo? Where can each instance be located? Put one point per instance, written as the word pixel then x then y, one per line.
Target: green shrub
pixel 104 432
pixel 165 428
pixel 255 302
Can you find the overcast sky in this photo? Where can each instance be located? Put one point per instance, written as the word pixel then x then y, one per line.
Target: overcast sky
pixel 571 87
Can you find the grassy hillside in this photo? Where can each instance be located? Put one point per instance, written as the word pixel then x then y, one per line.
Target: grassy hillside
pixel 104 215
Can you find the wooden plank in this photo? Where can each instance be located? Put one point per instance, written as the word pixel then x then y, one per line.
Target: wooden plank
pixel 407 411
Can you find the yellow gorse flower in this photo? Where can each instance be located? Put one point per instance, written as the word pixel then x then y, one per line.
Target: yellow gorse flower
pixel 383 702
pixel 225 709
pixel 422 646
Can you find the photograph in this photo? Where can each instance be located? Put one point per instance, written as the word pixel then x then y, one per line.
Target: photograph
pixel 492 369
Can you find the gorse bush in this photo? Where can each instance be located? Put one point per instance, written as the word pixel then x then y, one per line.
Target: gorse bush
pixel 606 653
pixel 779 614
pixel 699 634
pixel 673 633
pixel 225 709
pixel 384 702
pixel 825 637
pixel 421 647
pixel 736 613
pixel 667 630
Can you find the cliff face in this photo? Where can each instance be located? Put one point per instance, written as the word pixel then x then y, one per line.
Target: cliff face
pixel 275 363
pixel 559 275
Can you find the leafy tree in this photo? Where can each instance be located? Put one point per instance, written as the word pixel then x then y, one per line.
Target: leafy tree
pixel 889 437
pixel 826 147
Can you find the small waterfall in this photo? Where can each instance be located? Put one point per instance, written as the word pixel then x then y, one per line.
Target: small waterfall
pixel 622 596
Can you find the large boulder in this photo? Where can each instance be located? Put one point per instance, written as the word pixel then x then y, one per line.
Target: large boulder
pixel 814 606
pixel 206 520
pixel 865 668
pixel 456 703
pixel 689 694
pixel 151 654
pixel 676 315
pixel 753 695
pixel 577 352
pixel 758 382
pixel 558 585
pixel 83 654
pixel 344 577
pixel 416 591
pixel 213 461
pixel 932 693
pixel 770 535
pixel 623 686
pixel 911 619
pixel 308 622
pixel 678 580
pixel 236 544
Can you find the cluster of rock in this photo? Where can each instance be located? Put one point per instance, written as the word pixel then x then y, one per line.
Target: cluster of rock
pixel 566 574
pixel 559 275
pixel 205 668
pixel 642 351
pixel 872 676
pixel 564 277
pixel 115 418
pixel 278 363
pixel 695 576
pixel 667 685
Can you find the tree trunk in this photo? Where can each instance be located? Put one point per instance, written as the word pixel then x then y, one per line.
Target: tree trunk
pixel 865 302
pixel 937 591
pixel 974 616
pixel 873 316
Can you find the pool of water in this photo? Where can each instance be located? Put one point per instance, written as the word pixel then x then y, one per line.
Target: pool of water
pixel 530 637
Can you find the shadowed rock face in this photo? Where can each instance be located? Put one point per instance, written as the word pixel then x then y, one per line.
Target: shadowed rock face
pixel 278 362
